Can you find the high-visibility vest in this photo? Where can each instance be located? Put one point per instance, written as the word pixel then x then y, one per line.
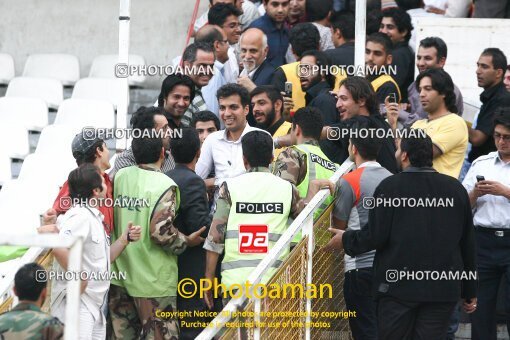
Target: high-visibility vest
pixel 298 95
pixel 258 198
pixel 381 80
pixel 318 166
pixel 283 130
pixel 151 271
pixel 338 78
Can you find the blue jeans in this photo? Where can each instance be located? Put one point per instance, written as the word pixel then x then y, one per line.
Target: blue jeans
pixel 454 323
pixel 464 170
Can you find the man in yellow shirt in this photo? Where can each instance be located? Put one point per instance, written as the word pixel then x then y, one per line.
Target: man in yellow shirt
pixel 447 130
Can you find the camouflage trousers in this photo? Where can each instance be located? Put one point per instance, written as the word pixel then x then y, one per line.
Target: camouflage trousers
pixel 135 317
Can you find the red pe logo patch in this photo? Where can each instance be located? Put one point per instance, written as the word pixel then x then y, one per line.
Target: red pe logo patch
pixel 253 238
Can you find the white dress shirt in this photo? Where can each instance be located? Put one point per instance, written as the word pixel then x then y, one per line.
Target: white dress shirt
pixel 231 71
pixel 490 211
pixel 209 91
pixel 222 155
pixel 86 222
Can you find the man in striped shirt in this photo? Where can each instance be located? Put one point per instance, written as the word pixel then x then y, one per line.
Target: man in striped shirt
pixel 146 118
pixel 198 63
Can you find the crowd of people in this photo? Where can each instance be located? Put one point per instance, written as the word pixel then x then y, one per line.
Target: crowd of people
pixel 255 145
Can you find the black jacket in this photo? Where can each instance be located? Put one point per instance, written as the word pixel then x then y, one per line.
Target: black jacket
pixel 343 55
pixel 337 150
pixel 192 215
pixel 263 74
pixel 318 96
pixel 419 238
pixel 403 59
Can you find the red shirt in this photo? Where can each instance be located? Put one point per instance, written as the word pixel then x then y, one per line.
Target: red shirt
pixel 62 203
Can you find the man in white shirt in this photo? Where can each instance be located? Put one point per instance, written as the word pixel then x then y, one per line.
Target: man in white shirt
pixel 488 185
pixel 248 9
pixel 227 16
pixel 215 36
pixel 222 149
pixel 87 189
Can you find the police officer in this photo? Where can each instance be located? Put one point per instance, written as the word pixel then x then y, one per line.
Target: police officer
pixel 26 320
pixel 305 161
pixel 254 205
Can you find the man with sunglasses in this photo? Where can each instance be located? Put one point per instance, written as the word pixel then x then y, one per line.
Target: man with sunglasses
pixel 488 184
pixel 215 36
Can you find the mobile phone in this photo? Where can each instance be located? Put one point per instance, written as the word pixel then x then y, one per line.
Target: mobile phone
pixel 288 89
pixel 480 178
pixel 393 97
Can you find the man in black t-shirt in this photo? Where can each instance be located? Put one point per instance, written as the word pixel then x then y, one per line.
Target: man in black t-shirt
pixel 396 24
pixel 490 72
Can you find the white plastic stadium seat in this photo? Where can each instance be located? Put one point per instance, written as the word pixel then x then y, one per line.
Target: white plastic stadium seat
pixel 6 68
pixel 63 67
pixel 14 140
pixel 98 89
pixel 50 90
pixel 32 113
pixel 36 168
pixel 56 140
pixel 86 112
pixel 103 66
pixel 26 200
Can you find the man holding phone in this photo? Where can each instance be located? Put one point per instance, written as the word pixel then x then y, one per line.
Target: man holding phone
pixel 378 58
pixel 317 84
pixel 488 184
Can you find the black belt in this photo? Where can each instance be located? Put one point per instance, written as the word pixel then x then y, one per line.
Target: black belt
pixel 495 231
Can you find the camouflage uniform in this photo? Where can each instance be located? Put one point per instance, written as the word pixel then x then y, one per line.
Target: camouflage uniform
pixel 291 164
pixel 27 321
pixel 135 317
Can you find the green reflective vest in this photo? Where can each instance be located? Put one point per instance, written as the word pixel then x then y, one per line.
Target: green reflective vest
pixel 258 217
pixel 318 166
pixel 150 270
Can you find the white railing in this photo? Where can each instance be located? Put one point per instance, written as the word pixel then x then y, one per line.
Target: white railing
pixel 304 222
pixel 37 244
pixel 122 108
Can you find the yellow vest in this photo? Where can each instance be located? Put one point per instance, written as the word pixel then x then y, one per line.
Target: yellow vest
pixel 298 95
pixel 381 80
pixel 283 130
pixel 339 78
